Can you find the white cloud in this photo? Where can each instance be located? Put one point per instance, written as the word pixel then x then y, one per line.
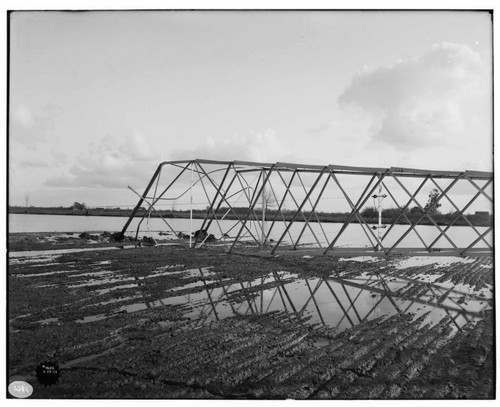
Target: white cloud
pixel 263 146
pixel 319 129
pixel 137 147
pixel 34 163
pixel 23 116
pixel 31 128
pixel 111 163
pixel 34 142
pixel 438 98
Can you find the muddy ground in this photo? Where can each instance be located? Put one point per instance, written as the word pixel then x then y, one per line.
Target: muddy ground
pixel 118 325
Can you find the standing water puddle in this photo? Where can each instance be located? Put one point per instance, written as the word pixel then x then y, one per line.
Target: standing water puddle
pixel 332 301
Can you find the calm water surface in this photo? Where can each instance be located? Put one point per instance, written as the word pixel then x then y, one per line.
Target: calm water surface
pixel 354 235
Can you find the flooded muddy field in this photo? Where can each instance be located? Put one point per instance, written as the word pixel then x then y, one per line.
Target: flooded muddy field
pixel 170 322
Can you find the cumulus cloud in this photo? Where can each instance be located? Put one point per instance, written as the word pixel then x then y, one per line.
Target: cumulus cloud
pixel 435 98
pixel 257 146
pixel 31 128
pixel 319 129
pixel 137 147
pixel 111 163
pixel 23 116
pixel 131 160
pixel 34 163
pixel 33 137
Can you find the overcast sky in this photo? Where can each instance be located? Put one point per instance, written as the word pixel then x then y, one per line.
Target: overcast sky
pixel 98 99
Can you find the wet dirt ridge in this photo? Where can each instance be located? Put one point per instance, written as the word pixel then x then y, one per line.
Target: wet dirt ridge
pixel 169 322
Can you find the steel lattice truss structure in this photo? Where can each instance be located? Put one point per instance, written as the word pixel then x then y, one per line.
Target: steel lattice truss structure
pixel 282 205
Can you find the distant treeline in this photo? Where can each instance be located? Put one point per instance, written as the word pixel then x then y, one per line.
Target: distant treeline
pixel 369 214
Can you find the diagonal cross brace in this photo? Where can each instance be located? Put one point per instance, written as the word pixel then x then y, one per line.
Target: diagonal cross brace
pixel 299 210
pixel 361 221
pixel 252 206
pixel 403 209
pixel 461 214
pixel 404 214
pixel 361 201
pixel 313 212
pixel 425 213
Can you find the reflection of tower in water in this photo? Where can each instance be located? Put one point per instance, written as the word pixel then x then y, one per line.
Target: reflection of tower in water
pixel 375 303
pixel 329 301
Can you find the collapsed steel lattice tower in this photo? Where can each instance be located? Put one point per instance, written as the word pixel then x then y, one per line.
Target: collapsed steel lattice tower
pixel 317 191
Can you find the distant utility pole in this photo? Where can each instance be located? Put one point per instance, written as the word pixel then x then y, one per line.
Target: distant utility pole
pixel 379 227
pixel 27 199
pixel 264 205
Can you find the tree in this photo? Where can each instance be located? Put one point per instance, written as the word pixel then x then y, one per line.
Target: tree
pixel 432 204
pixel 369 213
pixel 269 198
pixel 79 206
pixel 416 211
pixel 392 213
